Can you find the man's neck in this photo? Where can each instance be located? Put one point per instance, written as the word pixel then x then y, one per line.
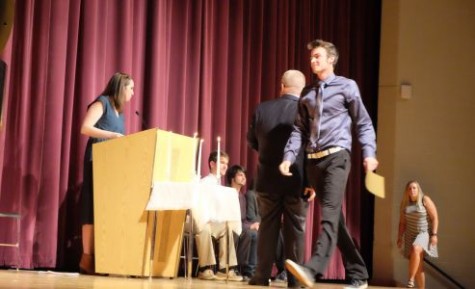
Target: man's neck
pixel 324 74
pixel 290 91
pixel 237 187
pixel 213 175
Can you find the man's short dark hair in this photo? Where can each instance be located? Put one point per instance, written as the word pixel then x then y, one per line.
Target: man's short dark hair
pixel 232 172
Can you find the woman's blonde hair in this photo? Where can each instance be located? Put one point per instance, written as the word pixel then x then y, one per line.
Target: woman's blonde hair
pixel 405 199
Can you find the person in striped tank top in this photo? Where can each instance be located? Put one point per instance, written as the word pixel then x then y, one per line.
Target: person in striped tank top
pixel 418 225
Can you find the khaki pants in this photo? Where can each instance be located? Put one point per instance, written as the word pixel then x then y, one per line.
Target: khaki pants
pixel 204 244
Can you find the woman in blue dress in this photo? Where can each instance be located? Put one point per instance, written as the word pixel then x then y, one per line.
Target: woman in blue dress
pixel 104 120
pixel 418 225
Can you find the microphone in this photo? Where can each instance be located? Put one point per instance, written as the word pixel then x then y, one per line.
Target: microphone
pixel 144 124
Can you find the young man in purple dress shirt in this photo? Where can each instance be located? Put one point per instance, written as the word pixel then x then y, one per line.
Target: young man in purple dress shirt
pixel 327 112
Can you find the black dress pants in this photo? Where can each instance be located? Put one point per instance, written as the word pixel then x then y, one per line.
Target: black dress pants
pixel 280 209
pixel 329 175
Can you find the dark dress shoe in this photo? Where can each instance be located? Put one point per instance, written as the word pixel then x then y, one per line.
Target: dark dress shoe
pixel 258 282
pixel 294 285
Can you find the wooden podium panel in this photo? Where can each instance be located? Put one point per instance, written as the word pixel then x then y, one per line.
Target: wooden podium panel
pixel 124 171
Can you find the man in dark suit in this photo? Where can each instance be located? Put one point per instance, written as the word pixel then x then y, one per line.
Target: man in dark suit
pixel 279 197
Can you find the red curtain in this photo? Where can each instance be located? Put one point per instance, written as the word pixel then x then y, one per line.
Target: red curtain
pixel 198 65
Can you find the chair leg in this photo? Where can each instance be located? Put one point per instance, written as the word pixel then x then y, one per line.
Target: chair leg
pixel 18 260
pixel 185 259
pixel 188 257
pixel 15 217
pixel 18 257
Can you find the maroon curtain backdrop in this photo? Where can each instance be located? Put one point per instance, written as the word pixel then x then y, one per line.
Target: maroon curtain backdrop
pixel 198 65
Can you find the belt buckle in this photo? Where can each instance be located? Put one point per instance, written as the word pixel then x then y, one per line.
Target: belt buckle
pixel 324 153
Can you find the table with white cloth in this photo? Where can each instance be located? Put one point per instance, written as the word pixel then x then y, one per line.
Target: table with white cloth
pixel 212 202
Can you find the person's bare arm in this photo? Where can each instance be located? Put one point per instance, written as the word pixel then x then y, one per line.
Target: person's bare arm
pixel 401 229
pixel 434 217
pixel 93 114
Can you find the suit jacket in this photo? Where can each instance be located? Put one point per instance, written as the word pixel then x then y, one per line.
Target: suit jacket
pixel 249 209
pixel 268 133
pixel 252 210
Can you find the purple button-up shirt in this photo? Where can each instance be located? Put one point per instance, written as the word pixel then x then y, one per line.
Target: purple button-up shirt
pixel 342 108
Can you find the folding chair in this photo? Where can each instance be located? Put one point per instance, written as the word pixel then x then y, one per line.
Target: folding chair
pixel 16 217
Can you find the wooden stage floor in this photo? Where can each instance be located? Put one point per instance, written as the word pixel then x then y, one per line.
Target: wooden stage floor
pixel 12 279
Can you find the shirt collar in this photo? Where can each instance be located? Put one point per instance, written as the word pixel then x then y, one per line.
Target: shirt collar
pixel 329 79
pixel 290 96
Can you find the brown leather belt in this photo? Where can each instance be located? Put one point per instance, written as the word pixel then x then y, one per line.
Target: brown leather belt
pixel 324 153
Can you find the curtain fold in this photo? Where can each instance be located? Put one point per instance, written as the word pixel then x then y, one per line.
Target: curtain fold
pixel 199 66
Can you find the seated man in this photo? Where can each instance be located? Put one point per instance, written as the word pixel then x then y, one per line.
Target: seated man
pixel 218 230
pixel 247 246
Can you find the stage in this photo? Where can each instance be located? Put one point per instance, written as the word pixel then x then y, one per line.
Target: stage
pixel 12 279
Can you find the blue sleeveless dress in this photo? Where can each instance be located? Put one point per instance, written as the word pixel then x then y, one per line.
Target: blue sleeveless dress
pixel 111 122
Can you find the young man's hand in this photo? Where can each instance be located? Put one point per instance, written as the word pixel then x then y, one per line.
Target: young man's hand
pixel 284 168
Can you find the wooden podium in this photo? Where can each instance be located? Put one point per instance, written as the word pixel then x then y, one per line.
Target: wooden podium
pixel 124 171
